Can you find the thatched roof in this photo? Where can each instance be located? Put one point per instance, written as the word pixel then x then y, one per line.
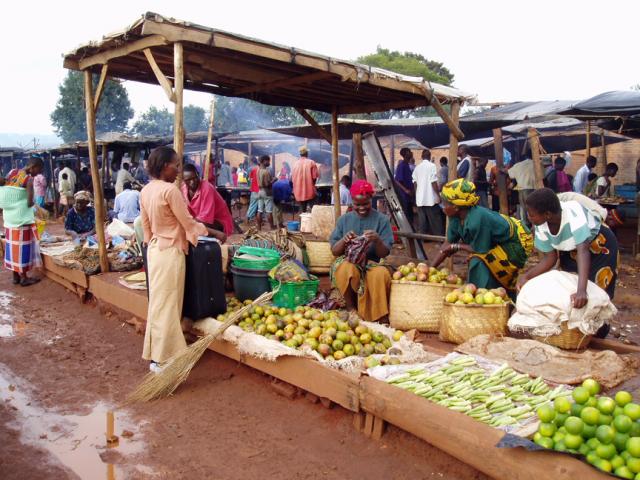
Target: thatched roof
pixel 228 64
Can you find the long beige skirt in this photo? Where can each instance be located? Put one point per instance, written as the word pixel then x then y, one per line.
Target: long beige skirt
pixel 163 337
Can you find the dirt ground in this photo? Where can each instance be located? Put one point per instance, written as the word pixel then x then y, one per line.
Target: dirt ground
pixel 67 364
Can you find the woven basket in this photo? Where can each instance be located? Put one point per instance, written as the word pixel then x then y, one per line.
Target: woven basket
pixel 417 305
pixel 462 322
pixel 320 256
pixel 568 339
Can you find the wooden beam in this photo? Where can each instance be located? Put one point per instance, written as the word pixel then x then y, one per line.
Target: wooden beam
pixel 360 171
pixel 162 79
pixel 382 107
pixel 335 165
pixel 587 149
pixel 501 177
pixel 312 121
pixel 453 144
pixel 207 158
pixel 284 82
pixel 453 161
pixel 603 151
pixel 534 144
pixel 454 127
pixel 95 174
pixel 178 117
pixel 100 87
pixel 104 57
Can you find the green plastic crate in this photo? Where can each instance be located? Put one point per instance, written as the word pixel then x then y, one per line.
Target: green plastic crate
pixel 268 258
pixel 293 294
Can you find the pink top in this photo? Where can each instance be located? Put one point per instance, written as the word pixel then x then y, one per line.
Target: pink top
pixel 39 185
pixel 165 217
pixel 304 176
pixel 207 206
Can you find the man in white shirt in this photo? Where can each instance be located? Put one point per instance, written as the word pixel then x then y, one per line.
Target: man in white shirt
pixel 522 172
pixel 582 175
pixel 71 176
pixel 122 177
pixel 127 204
pixel 425 178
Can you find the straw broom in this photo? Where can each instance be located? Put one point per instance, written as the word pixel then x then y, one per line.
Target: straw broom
pixel 155 386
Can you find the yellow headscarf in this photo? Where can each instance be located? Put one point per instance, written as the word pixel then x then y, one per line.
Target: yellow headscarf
pixel 460 193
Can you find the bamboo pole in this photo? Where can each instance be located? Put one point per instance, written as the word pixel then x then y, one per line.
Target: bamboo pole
pixel 534 143
pixel 178 117
pixel 207 158
pixel 360 171
pixel 98 199
pixel 502 181
pixel 335 166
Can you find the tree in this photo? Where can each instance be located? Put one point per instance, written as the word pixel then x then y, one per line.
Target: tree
pixel 154 121
pixel 68 118
pixel 407 63
pixel 195 119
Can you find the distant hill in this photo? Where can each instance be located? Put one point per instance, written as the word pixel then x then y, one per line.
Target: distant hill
pixel 25 140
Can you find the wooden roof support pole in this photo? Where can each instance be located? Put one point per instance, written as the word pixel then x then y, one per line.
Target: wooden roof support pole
pixel 105 159
pixel 162 79
pixel 454 126
pixel 335 166
pixel 207 158
pixel 502 180
pixel 98 199
pixel 312 121
pixel 100 87
pixel 453 159
pixel 587 148
pixel 534 143
pixel 178 117
pixel 603 152
pixel 360 171
pixel 453 144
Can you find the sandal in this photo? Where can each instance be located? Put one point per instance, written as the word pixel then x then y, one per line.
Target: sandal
pixel 25 282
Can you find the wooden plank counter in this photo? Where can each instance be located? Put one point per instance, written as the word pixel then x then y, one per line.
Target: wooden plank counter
pixel 468 440
pixel 105 287
pixel 305 373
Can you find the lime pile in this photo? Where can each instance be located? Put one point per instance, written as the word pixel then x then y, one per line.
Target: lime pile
pixel 605 430
pixel 331 334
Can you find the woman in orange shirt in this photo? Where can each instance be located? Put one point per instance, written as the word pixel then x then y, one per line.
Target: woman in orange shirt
pixel 168 230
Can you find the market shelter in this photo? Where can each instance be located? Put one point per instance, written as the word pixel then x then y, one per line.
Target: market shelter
pixel 178 55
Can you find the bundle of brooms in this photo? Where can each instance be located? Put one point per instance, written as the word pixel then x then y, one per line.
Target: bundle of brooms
pixel 177 368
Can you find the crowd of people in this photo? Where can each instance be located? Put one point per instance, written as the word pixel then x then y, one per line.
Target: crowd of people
pixel 419 186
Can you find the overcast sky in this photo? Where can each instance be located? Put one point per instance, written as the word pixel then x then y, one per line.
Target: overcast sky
pixel 498 50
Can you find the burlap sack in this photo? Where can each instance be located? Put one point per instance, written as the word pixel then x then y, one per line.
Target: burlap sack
pixel 555 365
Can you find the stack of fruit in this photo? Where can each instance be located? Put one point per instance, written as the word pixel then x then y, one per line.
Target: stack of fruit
pixel 605 430
pixel 500 399
pixel 332 334
pixel 424 273
pixel 469 294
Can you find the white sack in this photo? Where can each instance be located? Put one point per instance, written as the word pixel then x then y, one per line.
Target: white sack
pixel 545 302
pixel 119 228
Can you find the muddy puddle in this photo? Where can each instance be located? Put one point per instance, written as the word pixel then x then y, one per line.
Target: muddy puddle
pixel 77 441
pixel 6 319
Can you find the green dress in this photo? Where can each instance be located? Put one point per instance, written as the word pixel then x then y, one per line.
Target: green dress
pixel 498 243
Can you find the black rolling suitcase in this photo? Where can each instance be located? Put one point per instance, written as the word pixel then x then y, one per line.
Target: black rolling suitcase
pixel 204 281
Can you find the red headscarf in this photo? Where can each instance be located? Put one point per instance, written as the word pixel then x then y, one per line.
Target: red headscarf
pixel 361 188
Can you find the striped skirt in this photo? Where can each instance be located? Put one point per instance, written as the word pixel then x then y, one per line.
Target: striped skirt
pixel 21 251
